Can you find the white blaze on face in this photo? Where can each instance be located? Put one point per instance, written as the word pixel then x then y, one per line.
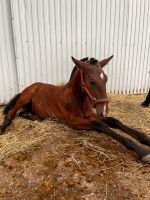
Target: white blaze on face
pixel 102 76
pixel 105 110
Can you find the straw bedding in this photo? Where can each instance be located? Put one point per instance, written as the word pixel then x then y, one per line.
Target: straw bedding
pixel 47 160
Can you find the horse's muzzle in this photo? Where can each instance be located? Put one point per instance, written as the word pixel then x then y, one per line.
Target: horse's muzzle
pixel 102 109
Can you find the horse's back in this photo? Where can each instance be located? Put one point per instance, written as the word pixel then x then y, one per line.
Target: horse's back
pixel 37 88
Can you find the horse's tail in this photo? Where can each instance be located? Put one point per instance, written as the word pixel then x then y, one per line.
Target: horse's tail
pixel 11 104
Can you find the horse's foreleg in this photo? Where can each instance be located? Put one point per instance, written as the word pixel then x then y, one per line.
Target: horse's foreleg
pixel 114 123
pixel 142 150
pixel 81 123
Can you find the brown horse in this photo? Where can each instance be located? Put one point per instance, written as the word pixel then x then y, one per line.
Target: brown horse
pixel 72 104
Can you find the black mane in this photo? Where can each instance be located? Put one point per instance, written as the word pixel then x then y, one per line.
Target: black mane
pixel 93 61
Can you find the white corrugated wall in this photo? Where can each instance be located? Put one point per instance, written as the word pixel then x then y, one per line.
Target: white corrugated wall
pixel 47 33
pixel 8 74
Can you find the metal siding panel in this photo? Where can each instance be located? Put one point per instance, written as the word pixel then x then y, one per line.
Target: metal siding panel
pixel 123 46
pixel 83 29
pixel 115 44
pixel 52 21
pixel 64 49
pixel 79 28
pixel 30 41
pixel 111 45
pixel 138 46
pixel 24 42
pixel 145 67
pixel 48 42
pixel 18 46
pixel 141 50
pixel 57 10
pixel 42 40
pixel 107 50
pixel 47 33
pixel 8 77
pixel 125 85
pixel 132 47
pixel 89 27
pixel 68 33
pixel 136 40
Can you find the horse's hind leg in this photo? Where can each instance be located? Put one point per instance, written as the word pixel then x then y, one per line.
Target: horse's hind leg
pixel 28 114
pixel 5 124
pixel 23 100
pixel 114 123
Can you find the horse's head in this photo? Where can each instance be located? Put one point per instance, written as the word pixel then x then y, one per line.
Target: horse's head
pixel 93 82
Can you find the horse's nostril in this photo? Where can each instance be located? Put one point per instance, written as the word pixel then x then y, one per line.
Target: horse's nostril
pixel 101 114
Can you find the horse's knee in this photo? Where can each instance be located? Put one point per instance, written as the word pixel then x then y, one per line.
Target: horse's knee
pixel 11 114
pixel 20 104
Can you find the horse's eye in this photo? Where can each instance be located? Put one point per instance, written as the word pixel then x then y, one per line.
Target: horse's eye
pixel 92 83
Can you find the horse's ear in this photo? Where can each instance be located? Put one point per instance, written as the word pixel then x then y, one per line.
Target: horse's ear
pixel 78 63
pixel 104 62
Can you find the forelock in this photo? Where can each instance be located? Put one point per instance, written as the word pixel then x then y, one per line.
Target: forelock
pixel 93 61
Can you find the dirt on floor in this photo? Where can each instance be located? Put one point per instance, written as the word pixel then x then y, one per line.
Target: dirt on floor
pixel 49 161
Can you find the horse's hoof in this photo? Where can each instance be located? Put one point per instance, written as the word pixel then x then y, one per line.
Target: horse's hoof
pixel 145 104
pixel 146 158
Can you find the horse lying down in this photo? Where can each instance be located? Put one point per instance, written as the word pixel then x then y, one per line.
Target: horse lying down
pixel 72 104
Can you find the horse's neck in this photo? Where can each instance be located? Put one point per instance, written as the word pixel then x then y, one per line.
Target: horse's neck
pixel 72 73
pixel 77 94
pixel 75 86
